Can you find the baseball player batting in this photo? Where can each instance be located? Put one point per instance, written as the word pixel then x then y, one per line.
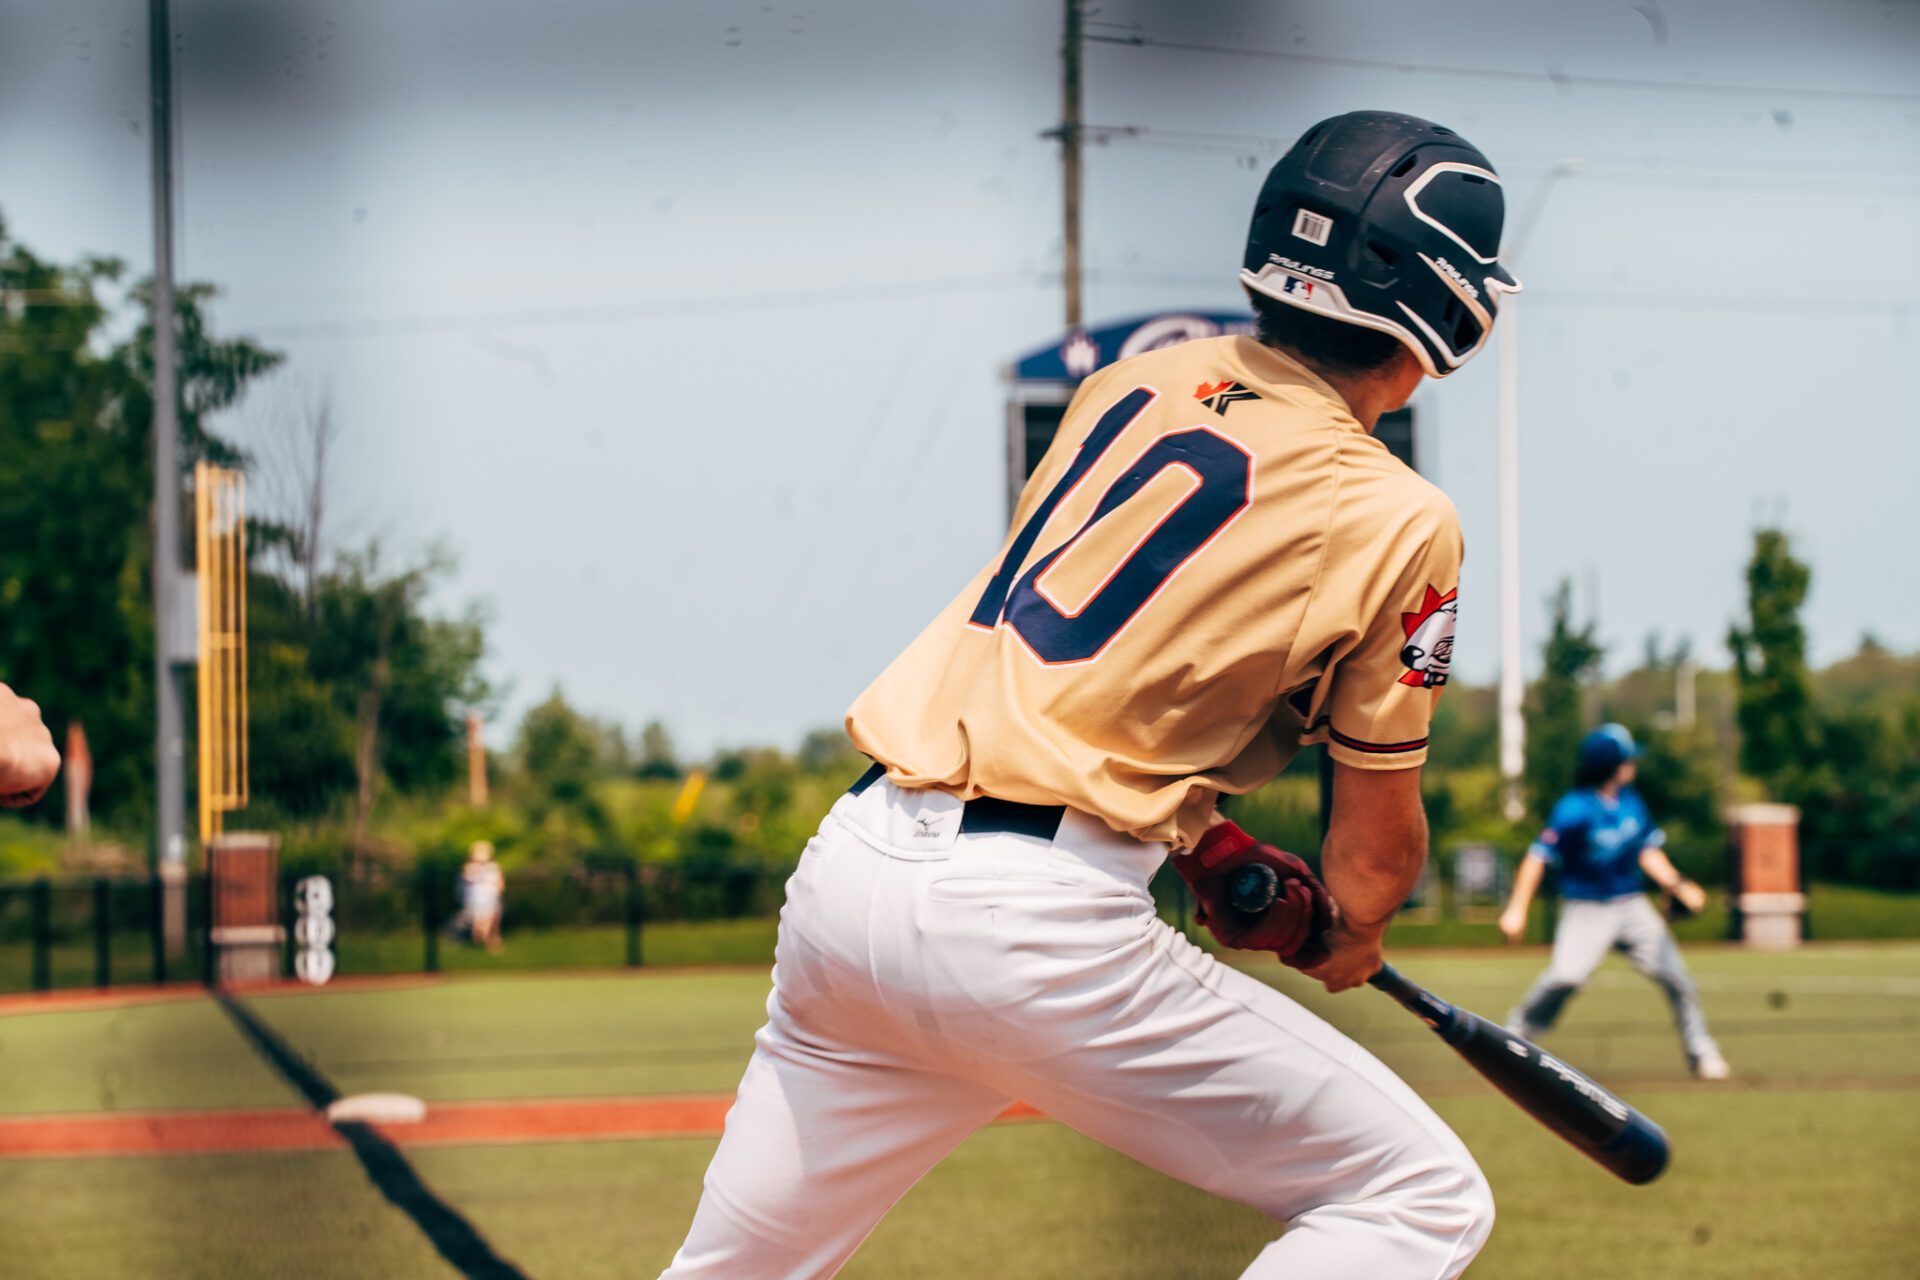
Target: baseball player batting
pixel 1214 564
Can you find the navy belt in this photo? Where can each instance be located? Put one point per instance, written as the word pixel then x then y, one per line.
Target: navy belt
pixel 990 815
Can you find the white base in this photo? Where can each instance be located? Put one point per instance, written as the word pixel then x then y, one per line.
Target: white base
pixel 377 1108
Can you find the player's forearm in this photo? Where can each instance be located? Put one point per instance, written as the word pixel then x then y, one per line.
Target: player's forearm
pixel 1526 883
pixel 1660 869
pixel 1376 843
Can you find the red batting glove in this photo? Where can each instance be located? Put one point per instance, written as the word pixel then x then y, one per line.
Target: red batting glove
pixel 1291 927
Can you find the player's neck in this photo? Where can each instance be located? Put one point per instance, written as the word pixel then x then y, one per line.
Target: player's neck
pixel 1373 393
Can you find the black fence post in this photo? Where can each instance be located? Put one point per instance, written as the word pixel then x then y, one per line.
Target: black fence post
pixel 289 917
pixel 633 915
pixel 102 933
pixel 209 961
pixel 42 903
pixel 429 927
pixel 157 922
pixel 1806 899
pixel 1735 924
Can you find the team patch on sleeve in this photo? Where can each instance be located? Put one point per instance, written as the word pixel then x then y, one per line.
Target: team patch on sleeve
pixel 1428 653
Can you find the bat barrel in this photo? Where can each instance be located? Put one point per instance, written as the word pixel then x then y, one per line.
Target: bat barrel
pixel 1638 1154
pixel 1586 1115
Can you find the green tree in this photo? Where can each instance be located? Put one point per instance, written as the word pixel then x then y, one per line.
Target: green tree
pixel 75 533
pixel 351 680
pixel 658 757
pixel 358 687
pixel 562 756
pixel 301 727
pixel 1570 659
pixel 1774 706
pixel 558 750
pixel 1875 679
pixel 829 751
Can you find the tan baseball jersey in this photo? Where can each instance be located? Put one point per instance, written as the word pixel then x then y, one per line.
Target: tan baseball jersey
pixel 1213 564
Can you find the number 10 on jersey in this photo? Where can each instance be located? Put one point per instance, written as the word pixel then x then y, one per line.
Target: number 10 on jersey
pixel 1221 487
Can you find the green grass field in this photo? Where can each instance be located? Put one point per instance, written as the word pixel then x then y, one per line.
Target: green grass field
pixel 1802 1166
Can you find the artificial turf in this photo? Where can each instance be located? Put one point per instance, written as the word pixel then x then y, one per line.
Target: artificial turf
pixel 1801 1166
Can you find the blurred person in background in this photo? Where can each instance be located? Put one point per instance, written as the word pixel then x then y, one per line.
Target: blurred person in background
pixel 28 759
pixel 1602 840
pixel 481 887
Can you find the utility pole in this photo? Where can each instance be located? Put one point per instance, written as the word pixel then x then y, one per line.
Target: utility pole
pixel 476 761
pixel 1513 724
pixel 169 809
pixel 1070 140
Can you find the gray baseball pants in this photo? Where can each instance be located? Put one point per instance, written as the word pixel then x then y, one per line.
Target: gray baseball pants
pixel 1587 931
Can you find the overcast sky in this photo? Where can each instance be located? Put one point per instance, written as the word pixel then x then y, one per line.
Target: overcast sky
pixel 682 324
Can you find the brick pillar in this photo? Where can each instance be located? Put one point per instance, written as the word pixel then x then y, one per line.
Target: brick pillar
pixel 246 934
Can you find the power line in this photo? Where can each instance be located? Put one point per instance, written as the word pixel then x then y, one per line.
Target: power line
pixel 1730 303
pixel 1248 149
pixel 47 298
pixel 1723 180
pixel 1754 304
pixel 618 312
pixel 1654 169
pixel 621 312
pixel 1524 158
pixel 1131 37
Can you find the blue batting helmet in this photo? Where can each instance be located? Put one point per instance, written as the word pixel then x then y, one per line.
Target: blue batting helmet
pixel 1605 750
pixel 1389 222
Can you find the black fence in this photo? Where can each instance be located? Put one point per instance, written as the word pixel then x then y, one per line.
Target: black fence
pixel 96 933
pixel 59 934
pixel 1873 866
pixel 64 934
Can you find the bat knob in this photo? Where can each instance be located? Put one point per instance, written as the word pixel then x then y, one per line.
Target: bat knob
pixel 1252 889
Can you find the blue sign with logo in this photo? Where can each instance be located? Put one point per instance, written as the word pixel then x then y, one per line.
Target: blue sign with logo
pixel 1081 351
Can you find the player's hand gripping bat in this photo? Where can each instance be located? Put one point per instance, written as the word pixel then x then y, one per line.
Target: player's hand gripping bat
pixel 1586 1116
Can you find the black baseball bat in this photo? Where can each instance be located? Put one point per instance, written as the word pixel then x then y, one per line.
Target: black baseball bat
pixel 1587 1117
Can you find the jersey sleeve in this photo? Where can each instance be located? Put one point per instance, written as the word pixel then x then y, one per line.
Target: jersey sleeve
pixel 1656 837
pixel 1374 701
pixel 1567 816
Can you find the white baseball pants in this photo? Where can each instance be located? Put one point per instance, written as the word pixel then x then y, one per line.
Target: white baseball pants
pixel 925 979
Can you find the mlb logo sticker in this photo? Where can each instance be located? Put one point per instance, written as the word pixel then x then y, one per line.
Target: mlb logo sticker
pixel 1302 289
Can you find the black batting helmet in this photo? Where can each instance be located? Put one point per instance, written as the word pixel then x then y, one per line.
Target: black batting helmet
pixel 1389 222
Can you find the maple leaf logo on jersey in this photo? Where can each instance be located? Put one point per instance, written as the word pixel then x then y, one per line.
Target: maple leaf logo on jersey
pixel 1219 396
pixel 1428 653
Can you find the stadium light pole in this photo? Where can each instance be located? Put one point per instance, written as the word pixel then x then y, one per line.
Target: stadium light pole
pixel 1513 725
pixel 169 764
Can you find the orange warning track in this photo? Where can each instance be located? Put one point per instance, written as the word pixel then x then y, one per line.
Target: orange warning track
pixel 447 1124
pixel 70 999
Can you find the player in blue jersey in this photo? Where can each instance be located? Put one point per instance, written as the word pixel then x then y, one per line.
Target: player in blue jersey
pixel 1603 841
